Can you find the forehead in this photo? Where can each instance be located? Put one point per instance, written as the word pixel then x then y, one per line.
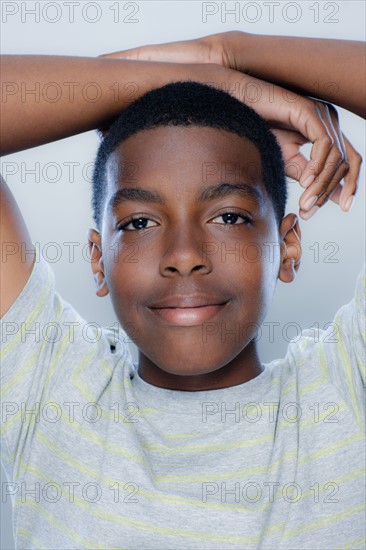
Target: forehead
pixel 183 157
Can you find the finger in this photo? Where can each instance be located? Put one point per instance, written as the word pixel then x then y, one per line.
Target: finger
pixel 333 191
pixel 335 167
pixel 352 178
pixel 296 166
pixel 304 115
pixel 185 51
pixel 290 143
pixel 332 156
pixel 315 129
pixel 143 53
pixel 334 196
pixel 327 192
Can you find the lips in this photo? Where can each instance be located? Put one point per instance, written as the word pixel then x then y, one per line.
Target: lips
pixel 188 301
pixel 189 309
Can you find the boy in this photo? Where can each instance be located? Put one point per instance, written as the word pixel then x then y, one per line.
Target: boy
pixel 100 467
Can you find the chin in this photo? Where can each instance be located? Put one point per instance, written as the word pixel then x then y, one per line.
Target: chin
pixel 191 366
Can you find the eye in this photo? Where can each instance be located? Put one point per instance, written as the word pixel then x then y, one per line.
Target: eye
pixel 137 222
pixel 232 217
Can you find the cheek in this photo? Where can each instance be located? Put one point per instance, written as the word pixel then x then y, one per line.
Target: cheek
pixel 128 280
pixel 125 264
pixel 127 285
pixel 131 281
pixel 254 280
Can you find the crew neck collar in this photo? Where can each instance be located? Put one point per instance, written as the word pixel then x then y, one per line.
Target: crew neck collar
pixel 149 395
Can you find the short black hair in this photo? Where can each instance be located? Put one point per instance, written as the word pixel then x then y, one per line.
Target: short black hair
pixel 190 103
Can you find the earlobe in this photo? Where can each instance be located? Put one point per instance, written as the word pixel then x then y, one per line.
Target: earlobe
pixel 290 248
pixel 96 259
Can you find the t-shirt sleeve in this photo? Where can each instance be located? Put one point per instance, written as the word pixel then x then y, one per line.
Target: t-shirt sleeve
pixel 347 361
pixel 49 354
pixel 337 352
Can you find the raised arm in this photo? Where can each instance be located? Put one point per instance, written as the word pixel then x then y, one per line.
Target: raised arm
pixel 331 70
pixel 46 98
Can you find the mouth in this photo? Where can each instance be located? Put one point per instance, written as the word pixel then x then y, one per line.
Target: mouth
pixel 188 316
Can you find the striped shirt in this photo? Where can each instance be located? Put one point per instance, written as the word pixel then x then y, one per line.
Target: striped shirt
pixel 98 458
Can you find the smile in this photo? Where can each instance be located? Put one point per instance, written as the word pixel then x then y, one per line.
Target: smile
pixel 188 316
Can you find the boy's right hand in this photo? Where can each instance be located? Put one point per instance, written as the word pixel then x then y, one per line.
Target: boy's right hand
pixel 293 118
pixel 297 120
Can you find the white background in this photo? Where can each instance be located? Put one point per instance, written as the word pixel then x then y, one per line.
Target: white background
pixel 59 211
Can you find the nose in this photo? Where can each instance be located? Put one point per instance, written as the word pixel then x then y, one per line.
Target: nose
pixel 184 253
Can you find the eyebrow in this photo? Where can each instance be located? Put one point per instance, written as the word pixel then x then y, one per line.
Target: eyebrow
pixel 209 193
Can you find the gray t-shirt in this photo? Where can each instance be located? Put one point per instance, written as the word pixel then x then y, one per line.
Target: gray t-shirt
pixel 107 460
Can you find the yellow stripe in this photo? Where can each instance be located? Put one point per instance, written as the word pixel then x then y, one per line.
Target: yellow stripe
pixel 151 495
pixel 20 373
pixel 20 532
pixel 63 527
pixel 107 368
pixel 146 526
pixel 33 315
pixel 361 365
pixel 257 469
pixel 354 544
pixel 137 525
pixel 195 503
pixel 353 510
pixel 345 362
pixel 75 379
pixel 173 500
pixel 323 377
pixel 103 442
pixel 236 444
pixel 264 469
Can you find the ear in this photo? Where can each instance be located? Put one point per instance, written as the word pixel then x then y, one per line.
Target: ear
pixel 95 249
pixel 290 243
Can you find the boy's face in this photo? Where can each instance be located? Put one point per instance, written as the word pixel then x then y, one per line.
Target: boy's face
pixel 192 287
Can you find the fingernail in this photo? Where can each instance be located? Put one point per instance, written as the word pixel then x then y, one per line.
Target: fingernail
pixel 349 203
pixel 310 202
pixel 310 213
pixel 308 181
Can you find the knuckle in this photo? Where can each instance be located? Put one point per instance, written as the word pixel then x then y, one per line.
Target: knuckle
pixel 328 141
pixel 358 158
pixel 346 166
pixel 339 156
pixel 309 105
pixel 346 162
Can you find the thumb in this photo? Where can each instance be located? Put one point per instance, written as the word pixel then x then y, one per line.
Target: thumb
pixel 144 53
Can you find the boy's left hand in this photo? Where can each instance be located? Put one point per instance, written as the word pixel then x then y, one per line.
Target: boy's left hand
pixel 208 49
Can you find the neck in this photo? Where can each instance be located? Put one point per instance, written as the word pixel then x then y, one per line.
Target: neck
pixel 244 367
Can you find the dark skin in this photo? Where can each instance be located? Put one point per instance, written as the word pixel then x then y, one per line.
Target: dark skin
pixel 170 246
